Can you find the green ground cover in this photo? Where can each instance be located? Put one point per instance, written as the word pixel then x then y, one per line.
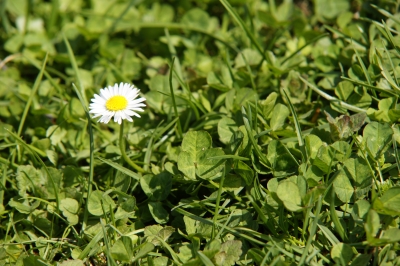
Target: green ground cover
pixel 269 135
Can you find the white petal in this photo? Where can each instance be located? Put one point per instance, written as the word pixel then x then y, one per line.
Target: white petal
pixel 97 106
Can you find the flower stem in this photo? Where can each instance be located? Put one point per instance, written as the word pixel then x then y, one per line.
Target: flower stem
pixel 123 152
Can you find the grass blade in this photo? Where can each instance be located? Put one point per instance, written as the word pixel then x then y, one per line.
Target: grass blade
pixel 178 122
pixel 121 168
pixel 82 98
pixel 312 231
pixel 390 92
pixel 235 157
pixel 332 99
pixel 33 93
pixel 204 259
pixel 242 25
pixel 259 153
pixel 298 129
pixel 76 72
pixel 28 147
pixel 304 46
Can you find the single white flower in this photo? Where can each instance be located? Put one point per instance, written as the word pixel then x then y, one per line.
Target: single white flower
pixel 118 101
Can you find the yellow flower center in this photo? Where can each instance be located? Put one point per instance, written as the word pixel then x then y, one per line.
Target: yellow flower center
pixel 116 103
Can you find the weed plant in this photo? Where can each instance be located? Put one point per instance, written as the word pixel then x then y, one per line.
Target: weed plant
pixel 270 133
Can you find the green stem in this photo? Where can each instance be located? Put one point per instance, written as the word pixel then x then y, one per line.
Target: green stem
pixel 312 231
pixel 178 122
pixel 217 203
pixel 3 186
pixel 123 152
pixel 338 226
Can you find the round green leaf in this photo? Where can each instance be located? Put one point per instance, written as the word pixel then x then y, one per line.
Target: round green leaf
pixel 289 194
pixel 342 185
pixel 70 208
pixel 156 187
pixel 158 212
pixel 226 128
pixel 377 137
pixel 99 202
pixel 342 253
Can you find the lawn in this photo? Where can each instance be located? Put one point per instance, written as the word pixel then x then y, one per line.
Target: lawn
pixel 190 132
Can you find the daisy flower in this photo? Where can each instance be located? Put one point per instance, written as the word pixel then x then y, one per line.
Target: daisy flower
pixel 118 101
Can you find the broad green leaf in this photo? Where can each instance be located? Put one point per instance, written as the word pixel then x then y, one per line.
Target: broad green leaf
pixel 49 189
pixel 185 252
pixel 158 212
pixel 341 150
pixel 251 57
pixel 32 260
pixel 360 98
pixel 234 183
pixel 245 172
pixel 70 208
pixel 156 187
pixel 52 156
pixel 122 249
pixel 195 159
pixel 190 225
pixel 391 235
pixel 342 185
pixel 344 90
pixel 23 206
pixel 313 175
pixel 42 144
pixel 196 141
pixel 279 115
pixel 187 165
pixel 324 159
pixel 361 260
pixel 100 204
pixel 56 134
pixel 145 248
pixel 210 168
pixel 329 9
pixel 325 63
pixel 229 254
pixel 268 104
pixel 289 193
pixel 122 181
pixel 236 98
pixel 71 263
pixel 312 143
pixel 196 17
pixel 226 129
pixel 243 218
pixel 28 180
pixel 157 230
pixel 302 185
pixel 342 253
pixel 377 138
pixel 372 225
pixel 162 261
pixel 360 175
pixel 281 161
pixel 389 203
pixel 360 209
pixel 129 204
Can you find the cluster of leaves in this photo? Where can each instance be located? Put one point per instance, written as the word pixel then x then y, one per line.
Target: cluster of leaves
pixel 270 135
